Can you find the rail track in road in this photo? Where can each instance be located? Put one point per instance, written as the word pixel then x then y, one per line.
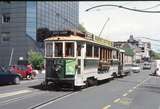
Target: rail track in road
pixel 43 104
pixel 10 98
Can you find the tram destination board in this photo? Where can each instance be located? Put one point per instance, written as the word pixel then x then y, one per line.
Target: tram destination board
pixel 61 33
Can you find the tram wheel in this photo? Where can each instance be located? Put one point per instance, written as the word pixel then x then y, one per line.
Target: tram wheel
pixel 114 75
pixel 91 82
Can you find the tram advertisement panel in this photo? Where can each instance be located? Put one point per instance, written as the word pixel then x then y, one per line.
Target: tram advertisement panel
pixel 70 67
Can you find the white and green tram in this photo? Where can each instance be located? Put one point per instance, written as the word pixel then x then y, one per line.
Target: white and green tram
pixel 79 59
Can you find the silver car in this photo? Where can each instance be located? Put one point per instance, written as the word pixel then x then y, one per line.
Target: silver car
pixel 135 68
pixel 146 65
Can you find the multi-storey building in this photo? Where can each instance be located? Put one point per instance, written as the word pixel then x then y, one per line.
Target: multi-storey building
pixel 140 49
pixel 20 20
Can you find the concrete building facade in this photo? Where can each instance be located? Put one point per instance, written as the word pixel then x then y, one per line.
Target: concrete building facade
pixel 140 49
pixel 19 21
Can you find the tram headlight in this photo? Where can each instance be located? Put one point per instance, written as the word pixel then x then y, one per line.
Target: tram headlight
pixel 77 66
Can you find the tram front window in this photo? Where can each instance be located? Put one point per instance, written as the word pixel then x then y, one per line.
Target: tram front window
pixel 49 49
pixel 58 49
pixel 69 49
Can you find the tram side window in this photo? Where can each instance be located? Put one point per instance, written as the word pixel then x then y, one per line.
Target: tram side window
pixel 58 49
pixel 89 50
pixel 78 49
pixel 49 49
pixel 69 51
pixel 96 51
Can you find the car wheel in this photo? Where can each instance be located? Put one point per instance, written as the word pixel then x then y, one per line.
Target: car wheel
pixel 29 76
pixel 16 80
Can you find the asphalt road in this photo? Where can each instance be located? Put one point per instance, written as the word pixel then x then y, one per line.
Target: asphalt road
pixel 136 91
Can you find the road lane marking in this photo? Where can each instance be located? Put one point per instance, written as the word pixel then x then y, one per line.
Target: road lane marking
pixel 107 107
pixel 125 94
pixel 125 101
pixel 134 87
pixel 14 93
pixel 118 99
pixel 130 90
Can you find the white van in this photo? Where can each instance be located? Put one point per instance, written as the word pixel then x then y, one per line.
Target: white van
pixel 157 67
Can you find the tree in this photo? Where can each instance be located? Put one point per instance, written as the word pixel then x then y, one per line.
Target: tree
pixel 36 59
pixel 154 55
pixel 42 33
pixel 82 28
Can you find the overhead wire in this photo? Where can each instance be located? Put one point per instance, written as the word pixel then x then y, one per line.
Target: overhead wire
pixel 151 7
pixel 123 7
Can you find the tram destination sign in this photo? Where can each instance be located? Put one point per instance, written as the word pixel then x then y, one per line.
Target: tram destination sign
pixel 89 36
pixel 61 33
pixel 103 41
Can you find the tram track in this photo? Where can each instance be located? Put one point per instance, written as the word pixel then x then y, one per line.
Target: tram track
pixel 15 99
pixel 52 100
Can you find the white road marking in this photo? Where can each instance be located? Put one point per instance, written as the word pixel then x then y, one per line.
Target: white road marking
pixel 26 81
pixel 125 94
pixel 134 87
pixel 130 90
pixel 14 93
pixel 106 107
pixel 118 99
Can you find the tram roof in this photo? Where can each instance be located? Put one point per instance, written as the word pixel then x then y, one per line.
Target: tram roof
pixel 77 38
pixel 65 38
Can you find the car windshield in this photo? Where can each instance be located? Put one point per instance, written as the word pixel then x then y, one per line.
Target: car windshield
pixel 1 69
pixel 4 69
pixel 22 67
pixel 135 65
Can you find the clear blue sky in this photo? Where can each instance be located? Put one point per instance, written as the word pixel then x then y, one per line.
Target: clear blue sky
pixel 122 22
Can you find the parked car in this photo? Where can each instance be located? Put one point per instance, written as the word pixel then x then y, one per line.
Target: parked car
pixel 7 77
pixel 147 65
pixel 135 68
pixel 24 71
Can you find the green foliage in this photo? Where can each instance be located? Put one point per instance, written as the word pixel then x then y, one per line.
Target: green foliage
pixel 155 55
pixel 36 59
pixel 82 28
pixel 128 51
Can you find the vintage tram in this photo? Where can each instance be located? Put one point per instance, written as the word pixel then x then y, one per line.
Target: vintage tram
pixel 79 59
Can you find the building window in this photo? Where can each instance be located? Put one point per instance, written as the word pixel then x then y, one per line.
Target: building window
pixel 6 18
pixel 8 2
pixel 5 37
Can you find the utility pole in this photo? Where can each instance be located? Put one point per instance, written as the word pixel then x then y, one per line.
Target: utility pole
pixel 104 26
pixel 10 60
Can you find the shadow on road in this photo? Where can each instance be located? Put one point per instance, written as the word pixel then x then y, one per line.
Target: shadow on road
pixel 62 87
pixel 51 87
